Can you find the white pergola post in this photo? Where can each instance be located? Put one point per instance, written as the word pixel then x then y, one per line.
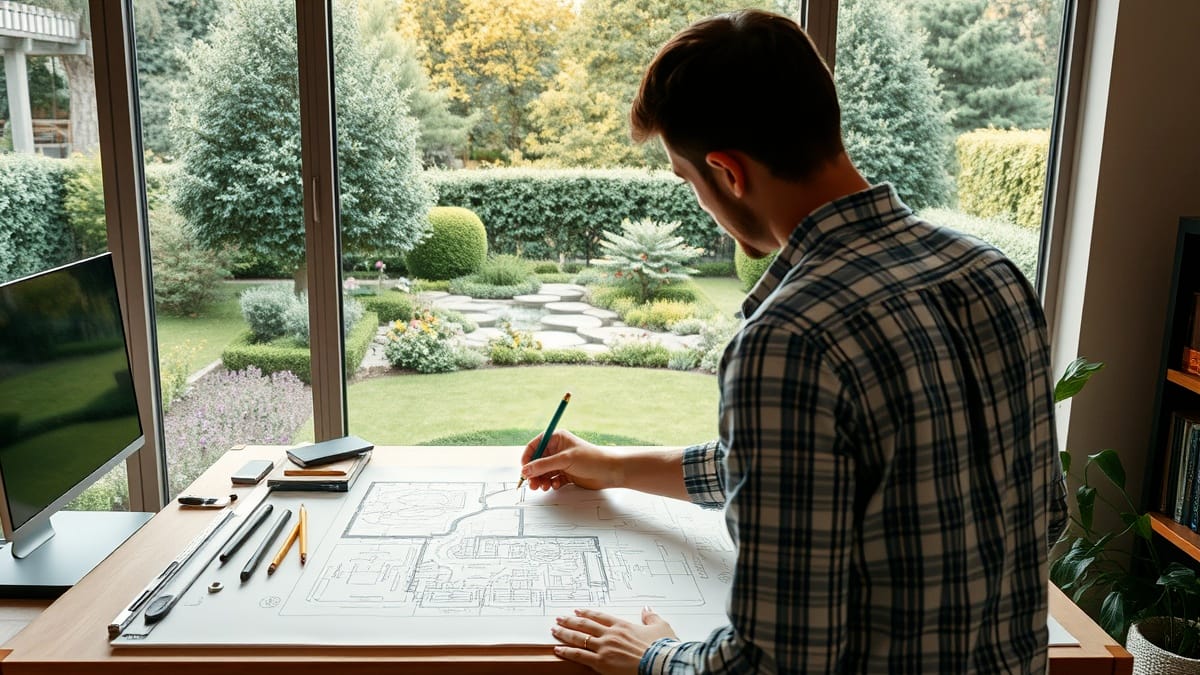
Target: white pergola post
pixel 20 118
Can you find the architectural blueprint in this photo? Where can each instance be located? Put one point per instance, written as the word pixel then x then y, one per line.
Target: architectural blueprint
pixel 456 557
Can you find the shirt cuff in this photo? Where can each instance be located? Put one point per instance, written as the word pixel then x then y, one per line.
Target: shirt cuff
pixel 702 474
pixel 657 659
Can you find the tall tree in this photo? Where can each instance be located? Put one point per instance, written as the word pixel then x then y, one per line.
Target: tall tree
pixel 443 133
pixel 494 57
pixel 238 124
pixel 892 117
pixel 990 75
pixel 582 117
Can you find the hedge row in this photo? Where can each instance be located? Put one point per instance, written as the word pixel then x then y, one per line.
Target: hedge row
pixel 283 354
pixel 1002 174
pixel 34 231
pixel 540 213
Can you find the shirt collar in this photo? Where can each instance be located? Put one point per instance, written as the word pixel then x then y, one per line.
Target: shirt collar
pixel 874 206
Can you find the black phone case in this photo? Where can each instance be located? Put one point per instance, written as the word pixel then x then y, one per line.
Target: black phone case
pixel 327 452
pixel 244 477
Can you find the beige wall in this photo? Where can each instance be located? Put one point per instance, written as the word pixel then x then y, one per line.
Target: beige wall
pixel 1137 170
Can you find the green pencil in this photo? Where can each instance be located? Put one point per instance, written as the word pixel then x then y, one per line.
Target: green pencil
pixel 562 405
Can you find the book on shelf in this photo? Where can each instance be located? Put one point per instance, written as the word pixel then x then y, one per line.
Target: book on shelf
pixel 1191 348
pixel 1179 490
pixel 316 481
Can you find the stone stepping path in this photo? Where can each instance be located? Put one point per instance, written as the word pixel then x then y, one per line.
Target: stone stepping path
pixel 568 307
pixel 570 323
pixel 567 323
pixel 535 300
pixel 606 335
pixel 554 339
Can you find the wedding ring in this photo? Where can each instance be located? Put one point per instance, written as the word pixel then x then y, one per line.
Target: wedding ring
pixel 585 640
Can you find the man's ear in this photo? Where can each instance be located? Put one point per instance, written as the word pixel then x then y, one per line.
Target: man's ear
pixel 729 171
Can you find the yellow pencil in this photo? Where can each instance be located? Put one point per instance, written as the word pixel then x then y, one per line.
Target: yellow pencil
pixel 303 534
pixel 287 546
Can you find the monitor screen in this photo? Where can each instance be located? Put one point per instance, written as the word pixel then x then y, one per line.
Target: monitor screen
pixel 67 404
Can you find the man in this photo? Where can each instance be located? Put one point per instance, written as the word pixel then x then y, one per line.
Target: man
pixel 887 457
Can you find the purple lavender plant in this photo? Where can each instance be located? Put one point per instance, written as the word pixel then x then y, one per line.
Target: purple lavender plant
pixel 227 409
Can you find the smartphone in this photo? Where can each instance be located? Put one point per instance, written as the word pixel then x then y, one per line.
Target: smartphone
pixel 327 452
pixel 252 472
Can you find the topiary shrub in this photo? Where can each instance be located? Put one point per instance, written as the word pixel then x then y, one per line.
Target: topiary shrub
pixel 750 270
pixel 389 306
pixel 456 245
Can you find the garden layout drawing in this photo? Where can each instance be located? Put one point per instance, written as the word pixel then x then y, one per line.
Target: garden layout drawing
pixel 437 559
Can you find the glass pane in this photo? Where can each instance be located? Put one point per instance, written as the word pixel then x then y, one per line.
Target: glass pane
pixel 52 209
pixel 221 132
pixel 512 116
pixel 952 101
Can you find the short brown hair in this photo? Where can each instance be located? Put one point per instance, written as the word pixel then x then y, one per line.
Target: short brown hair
pixel 750 81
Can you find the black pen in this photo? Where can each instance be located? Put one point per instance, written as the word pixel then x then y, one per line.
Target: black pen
pixel 242 533
pixel 266 543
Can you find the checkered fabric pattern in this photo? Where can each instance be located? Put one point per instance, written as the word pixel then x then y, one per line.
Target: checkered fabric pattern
pixel 887 458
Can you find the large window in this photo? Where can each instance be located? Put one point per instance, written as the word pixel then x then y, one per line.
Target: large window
pixel 509 118
pixel 52 209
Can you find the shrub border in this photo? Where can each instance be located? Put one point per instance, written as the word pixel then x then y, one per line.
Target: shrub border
pixel 272 357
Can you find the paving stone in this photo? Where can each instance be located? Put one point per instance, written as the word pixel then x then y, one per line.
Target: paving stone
pixel 607 334
pixel 481 319
pixel 555 289
pixel 568 308
pixel 553 339
pixel 450 299
pixel 430 296
pixel 481 336
pixel 570 323
pixel 534 300
pixel 606 316
pixel 470 306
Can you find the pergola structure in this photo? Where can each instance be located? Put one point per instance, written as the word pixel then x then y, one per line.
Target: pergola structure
pixel 26 30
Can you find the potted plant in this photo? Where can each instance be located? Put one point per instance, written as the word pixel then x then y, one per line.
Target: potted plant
pixel 1139 595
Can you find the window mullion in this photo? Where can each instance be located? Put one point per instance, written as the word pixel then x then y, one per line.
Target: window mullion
pixel 322 243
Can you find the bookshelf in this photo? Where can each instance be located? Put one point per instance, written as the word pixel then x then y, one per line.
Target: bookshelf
pixel 1177 391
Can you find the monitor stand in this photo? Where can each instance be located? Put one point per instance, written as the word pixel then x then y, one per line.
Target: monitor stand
pixel 82 539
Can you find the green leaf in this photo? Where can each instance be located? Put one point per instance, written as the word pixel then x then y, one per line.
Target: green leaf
pixel 1065 458
pixel 1085 496
pixel 1077 374
pixel 1110 464
pixel 1144 528
pixel 1112 614
pixel 1178 577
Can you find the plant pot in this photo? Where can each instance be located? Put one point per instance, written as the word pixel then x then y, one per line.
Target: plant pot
pixel 1149 658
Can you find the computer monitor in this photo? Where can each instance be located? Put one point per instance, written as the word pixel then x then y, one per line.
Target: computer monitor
pixel 68 411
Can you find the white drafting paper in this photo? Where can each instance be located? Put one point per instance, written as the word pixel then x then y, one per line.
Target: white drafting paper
pixel 1059 636
pixel 454 557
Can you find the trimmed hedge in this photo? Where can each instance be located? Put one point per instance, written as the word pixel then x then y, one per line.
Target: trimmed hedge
pixel 750 270
pixel 456 246
pixel 545 213
pixel 470 285
pixel 286 354
pixel 35 233
pixel 389 306
pixel 1002 174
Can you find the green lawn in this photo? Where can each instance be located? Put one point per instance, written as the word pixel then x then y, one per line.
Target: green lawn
pixel 724 293
pixel 211 331
pixel 664 407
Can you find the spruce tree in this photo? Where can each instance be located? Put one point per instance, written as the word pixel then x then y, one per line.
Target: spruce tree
pixel 892 118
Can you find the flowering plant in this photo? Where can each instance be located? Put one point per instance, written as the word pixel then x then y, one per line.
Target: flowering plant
pixel 423 344
pixel 380 266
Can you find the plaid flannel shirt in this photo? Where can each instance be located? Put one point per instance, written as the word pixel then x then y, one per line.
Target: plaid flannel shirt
pixel 887 457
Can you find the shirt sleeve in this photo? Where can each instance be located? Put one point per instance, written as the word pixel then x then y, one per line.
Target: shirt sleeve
pixel 702 474
pixel 1057 506
pixel 789 493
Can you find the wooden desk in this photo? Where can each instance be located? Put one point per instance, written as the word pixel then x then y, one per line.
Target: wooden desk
pixel 69 636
